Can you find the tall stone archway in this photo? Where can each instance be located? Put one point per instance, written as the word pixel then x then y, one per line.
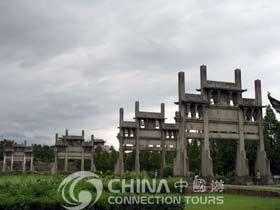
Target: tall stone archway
pixel 218 111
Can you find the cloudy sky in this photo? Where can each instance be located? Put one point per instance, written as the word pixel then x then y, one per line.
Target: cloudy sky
pixel 72 64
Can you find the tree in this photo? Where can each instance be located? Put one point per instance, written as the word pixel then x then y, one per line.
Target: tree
pixel 43 153
pixel 223 153
pixel 150 161
pixel 105 160
pixel 129 158
pixel 194 155
pixel 272 139
pixel 251 154
pixel 4 144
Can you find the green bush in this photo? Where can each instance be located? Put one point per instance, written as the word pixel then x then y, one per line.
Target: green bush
pixel 52 202
pixel 226 179
pixel 24 192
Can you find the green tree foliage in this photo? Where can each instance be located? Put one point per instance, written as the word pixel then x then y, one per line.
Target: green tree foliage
pixel 43 153
pixel 167 171
pixel 251 154
pixel 223 155
pixel 129 161
pixel 150 161
pixel 105 160
pixel 194 154
pixel 272 139
pixel 5 143
pixel 169 158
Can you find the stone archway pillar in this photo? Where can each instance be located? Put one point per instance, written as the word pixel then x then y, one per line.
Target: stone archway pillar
pixel 262 163
pixel 242 163
pixel 206 160
pixel 181 162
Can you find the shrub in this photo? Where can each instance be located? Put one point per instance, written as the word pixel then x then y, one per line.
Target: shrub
pixel 226 179
pixel 48 203
pixel 24 192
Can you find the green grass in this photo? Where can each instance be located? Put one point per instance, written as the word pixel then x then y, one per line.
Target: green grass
pixel 18 178
pixel 241 202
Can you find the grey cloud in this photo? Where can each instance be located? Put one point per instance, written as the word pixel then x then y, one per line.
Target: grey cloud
pixel 72 64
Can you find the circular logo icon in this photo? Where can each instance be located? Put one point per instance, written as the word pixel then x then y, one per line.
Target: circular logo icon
pixel 83 198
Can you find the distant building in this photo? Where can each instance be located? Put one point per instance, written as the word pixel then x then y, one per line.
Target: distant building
pixel 74 147
pixel 18 157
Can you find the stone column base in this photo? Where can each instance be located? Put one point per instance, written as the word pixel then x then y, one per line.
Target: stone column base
pixel 267 180
pixel 4 167
pixel 242 164
pixel 54 169
pixel 119 168
pixel 263 164
pixel 206 164
pixel 181 166
pixel 93 168
pixel 243 180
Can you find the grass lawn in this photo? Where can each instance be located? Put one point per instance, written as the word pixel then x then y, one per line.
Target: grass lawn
pixel 241 202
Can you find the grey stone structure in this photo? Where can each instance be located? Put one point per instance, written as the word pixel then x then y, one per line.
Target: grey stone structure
pixel 217 112
pixel 18 153
pixel 73 147
pixel 148 132
pixel 42 166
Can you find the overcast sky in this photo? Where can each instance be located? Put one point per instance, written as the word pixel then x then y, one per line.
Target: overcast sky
pixel 72 64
